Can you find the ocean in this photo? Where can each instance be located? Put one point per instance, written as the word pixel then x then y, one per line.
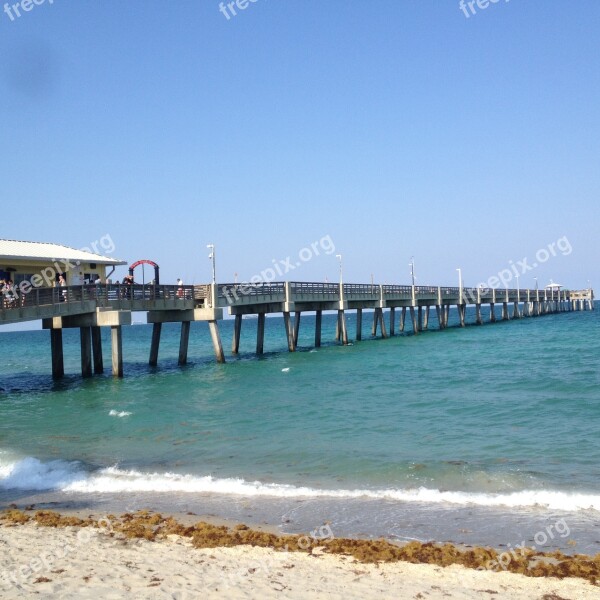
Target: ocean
pixel 483 435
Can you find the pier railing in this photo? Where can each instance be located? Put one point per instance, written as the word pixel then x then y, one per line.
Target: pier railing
pixel 15 305
pixel 249 293
pixel 301 290
pixel 115 296
pixel 397 291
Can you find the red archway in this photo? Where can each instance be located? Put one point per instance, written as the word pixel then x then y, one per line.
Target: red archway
pixel 146 262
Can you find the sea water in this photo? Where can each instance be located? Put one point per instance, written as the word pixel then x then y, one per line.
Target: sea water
pixel 478 435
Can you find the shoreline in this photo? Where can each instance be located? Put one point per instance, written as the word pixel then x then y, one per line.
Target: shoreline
pixel 462 526
pixel 187 531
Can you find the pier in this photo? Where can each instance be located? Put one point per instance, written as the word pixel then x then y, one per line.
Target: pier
pixel 92 307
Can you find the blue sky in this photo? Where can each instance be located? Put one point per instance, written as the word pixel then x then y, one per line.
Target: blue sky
pixel 397 128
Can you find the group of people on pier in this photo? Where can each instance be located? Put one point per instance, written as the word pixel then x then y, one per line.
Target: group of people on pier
pixel 10 297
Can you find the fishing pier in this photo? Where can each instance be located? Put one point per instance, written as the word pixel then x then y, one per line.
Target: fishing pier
pixel 92 307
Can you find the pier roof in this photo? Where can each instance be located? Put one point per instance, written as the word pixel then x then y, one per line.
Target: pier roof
pixel 48 252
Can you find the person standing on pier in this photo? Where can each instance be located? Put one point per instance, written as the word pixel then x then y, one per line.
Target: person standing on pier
pixel 63 284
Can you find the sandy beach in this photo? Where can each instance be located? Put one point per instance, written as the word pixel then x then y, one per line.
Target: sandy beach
pixel 105 562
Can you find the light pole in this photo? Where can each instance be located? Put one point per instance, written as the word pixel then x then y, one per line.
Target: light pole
pixel 412 270
pixel 339 257
pixel 518 296
pixel 460 285
pixel 213 289
pixel 211 256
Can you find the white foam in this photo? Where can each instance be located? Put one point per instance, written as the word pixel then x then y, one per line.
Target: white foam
pixel 115 413
pixel 285 370
pixel 32 474
pixel 115 480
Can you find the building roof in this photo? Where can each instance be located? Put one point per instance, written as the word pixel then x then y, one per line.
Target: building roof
pixel 46 252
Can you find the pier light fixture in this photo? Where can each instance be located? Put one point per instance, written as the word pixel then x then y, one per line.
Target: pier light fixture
pixel 211 256
pixel 412 270
pixel 460 284
pixel 339 257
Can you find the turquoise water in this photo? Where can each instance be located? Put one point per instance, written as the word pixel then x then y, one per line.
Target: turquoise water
pixel 499 420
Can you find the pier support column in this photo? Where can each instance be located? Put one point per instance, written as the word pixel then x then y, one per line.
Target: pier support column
pixel 342 327
pixel 85 336
pixel 359 324
pixel 516 312
pixel 156 330
pixel 461 313
pixel 260 333
pixel 382 323
pixel 116 338
pixel 375 319
pixel 413 318
pixel 403 318
pixel 97 350
pixel 289 331
pixel 447 317
pixel 296 328
pixel 492 313
pixel 237 331
pixel 478 319
pixel 56 347
pixel 213 327
pixel 505 316
pixel 392 321
pixel 420 318
pixel 318 326
pixel 426 318
pixel 438 312
pixel 184 342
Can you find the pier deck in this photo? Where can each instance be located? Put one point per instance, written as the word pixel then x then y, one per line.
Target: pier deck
pixel 91 307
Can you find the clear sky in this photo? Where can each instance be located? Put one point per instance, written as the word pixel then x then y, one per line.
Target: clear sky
pixel 395 127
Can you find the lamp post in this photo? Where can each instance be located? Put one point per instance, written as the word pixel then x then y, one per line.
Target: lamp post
pixel 460 285
pixel 412 270
pixel 211 256
pixel 518 296
pixel 339 257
